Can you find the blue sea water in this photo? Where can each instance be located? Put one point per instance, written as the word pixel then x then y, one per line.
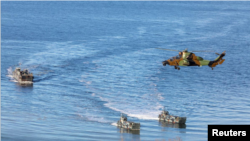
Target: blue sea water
pixel 93 61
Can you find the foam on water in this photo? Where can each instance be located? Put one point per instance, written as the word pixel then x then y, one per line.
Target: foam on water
pixel 146 113
pixel 91 117
pixel 114 124
pixel 149 111
pixel 56 52
pixel 10 71
pixel 137 102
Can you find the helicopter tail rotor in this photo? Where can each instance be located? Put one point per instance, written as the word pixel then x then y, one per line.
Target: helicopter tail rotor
pixel 217 61
pixel 223 53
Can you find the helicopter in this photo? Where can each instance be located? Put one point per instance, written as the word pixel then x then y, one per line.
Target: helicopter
pixel 188 58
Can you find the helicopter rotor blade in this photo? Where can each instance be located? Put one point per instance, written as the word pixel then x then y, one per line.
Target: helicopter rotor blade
pixel 188 51
pixel 169 49
pixel 202 51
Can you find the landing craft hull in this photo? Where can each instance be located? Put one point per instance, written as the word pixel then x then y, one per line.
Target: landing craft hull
pixel 123 130
pixel 24 79
pixel 171 125
pixel 174 119
pixel 128 125
pixel 166 117
pixel 23 82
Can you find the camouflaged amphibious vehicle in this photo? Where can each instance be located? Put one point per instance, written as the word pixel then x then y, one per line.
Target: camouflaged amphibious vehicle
pixel 165 116
pixel 123 123
pixel 23 77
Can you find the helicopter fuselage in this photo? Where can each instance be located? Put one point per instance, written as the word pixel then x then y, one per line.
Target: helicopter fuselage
pixel 190 59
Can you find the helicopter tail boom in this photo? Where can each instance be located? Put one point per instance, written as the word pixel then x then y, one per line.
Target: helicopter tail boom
pixel 217 61
pixel 164 63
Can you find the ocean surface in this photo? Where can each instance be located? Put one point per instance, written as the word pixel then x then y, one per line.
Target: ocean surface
pixel 93 61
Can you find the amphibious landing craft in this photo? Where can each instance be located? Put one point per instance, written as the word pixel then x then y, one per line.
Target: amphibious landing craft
pixel 23 77
pixel 123 123
pixel 165 116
